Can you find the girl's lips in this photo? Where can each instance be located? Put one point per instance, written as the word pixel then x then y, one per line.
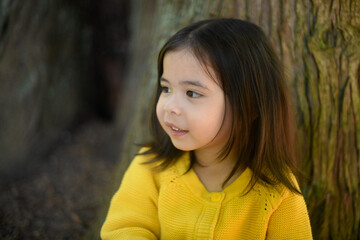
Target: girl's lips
pixel 176 131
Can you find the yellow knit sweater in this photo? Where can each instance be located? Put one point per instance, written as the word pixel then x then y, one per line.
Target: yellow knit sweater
pixel 173 204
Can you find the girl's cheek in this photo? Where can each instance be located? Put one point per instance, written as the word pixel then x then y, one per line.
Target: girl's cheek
pixel 159 110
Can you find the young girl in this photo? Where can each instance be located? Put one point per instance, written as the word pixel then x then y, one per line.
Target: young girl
pixel 221 164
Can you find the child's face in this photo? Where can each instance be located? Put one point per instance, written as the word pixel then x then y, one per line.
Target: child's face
pixel 191 107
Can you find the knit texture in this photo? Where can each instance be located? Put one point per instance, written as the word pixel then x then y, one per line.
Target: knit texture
pixel 174 204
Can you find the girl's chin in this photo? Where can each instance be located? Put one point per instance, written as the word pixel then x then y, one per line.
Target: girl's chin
pixel 181 146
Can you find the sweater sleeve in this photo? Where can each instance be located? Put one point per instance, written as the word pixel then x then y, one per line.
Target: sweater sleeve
pixel 133 209
pixel 290 220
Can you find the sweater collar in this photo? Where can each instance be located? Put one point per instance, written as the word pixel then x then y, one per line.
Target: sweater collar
pixel 236 188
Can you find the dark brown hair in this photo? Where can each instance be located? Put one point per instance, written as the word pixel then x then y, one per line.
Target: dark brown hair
pixel 253 81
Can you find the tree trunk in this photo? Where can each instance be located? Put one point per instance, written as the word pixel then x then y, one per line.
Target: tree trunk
pixel 318 42
pixel 45 82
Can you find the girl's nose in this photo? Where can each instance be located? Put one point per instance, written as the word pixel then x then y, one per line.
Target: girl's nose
pixel 172 105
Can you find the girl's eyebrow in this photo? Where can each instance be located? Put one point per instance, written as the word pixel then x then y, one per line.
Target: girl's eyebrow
pixel 193 83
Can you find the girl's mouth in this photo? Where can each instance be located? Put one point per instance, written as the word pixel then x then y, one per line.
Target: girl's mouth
pixel 175 131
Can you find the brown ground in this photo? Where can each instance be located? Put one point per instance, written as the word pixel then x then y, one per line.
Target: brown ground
pixel 66 196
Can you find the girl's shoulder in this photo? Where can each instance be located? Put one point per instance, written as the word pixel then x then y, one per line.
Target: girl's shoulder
pixel 142 166
pixel 143 157
pixel 276 194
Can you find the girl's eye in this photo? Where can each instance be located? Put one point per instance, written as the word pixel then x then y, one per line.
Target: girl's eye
pixel 193 94
pixel 165 90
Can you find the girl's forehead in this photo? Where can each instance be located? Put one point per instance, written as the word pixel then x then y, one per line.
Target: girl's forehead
pixel 184 63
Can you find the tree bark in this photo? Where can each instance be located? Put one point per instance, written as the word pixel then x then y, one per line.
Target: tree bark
pixel 318 42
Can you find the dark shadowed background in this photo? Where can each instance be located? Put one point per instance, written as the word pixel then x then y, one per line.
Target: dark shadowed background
pixel 76 79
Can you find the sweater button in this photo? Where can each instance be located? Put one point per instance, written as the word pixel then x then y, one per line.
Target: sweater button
pixel 215 197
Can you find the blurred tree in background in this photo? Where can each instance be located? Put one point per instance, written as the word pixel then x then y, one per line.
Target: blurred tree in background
pixel 44 57
pixel 64 62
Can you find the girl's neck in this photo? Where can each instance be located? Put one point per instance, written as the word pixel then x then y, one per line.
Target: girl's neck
pixel 209 158
pixel 212 171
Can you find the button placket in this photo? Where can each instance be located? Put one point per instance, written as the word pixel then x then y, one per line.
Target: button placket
pixel 216 197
